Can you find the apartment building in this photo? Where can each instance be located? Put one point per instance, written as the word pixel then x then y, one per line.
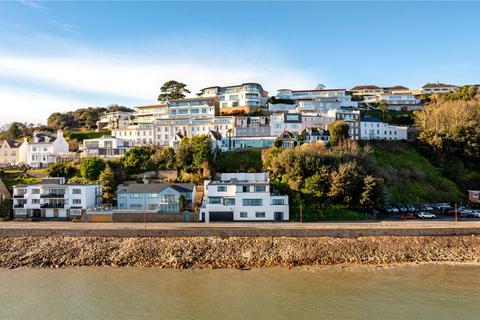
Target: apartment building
pixel 318 100
pixel 366 90
pixel 114 120
pixel 106 147
pixel 438 88
pixel 242 197
pixel 155 197
pixel 252 126
pixel 45 148
pixel 375 129
pixel 245 96
pixel 140 134
pixel 53 199
pixel 9 152
pixel 150 113
pixel 351 117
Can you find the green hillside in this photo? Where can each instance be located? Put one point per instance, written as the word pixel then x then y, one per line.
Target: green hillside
pixel 410 177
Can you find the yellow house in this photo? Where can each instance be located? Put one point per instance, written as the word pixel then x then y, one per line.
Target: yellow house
pixel 9 152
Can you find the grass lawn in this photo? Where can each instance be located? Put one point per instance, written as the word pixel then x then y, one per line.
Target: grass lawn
pixel 334 213
pixel 411 178
pixel 393 117
pixel 20 180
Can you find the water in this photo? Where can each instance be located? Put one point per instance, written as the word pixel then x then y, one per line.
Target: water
pixel 404 292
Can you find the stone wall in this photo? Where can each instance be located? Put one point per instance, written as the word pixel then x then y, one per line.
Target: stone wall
pixel 119 216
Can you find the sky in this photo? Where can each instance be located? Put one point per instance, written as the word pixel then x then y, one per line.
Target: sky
pixel 60 56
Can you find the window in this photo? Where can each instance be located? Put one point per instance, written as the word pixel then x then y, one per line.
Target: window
pixel 135 195
pixel 152 206
pixel 136 206
pixel 35 191
pixel 76 191
pixel 229 201
pixel 252 202
pixel 243 214
pixel 245 188
pixel 214 200
pixel 77 201
pixel 222 188
pixel 35 201
pixel 278 202
pixel 260 188
pixel 153 195
pixel 260 214
pixel 122 195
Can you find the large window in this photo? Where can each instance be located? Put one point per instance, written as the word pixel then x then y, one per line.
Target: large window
pixel 77 201
pixel 252 202
pixel 222 188
pixel 214 200
pixel 35 191
pixel 243 214
pixel 136 195
pixel 77 191
pixel 153 195
pixel 229 201
pixel 152 206
pixel 260 214
pixel 278 202
pixel 260 188
pixel 245 188
pixel 136 206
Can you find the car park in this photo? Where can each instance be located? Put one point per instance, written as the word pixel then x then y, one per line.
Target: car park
pixel 426 215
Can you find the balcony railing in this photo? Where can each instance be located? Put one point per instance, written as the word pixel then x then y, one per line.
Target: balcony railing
pixel 52 205
pixel 52 195
pixel 18 205
pixel 19 195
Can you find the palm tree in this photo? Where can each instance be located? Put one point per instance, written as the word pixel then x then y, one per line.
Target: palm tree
pixel 229 135
pixel 383 106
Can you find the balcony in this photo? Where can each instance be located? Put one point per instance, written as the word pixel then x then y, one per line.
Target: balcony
pixel 53 195
pixel 18 205
pixel 19 195
pixel 52 205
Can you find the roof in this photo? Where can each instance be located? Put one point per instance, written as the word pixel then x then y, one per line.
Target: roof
pixel 12 143
pixel 365 87
pixel 370 119
pixel 313 90
pixel 216 135
pixel 42 137
pixel 437 85
pixel 155 187
pixel 195 99
pixel 396 88
pixel 238 85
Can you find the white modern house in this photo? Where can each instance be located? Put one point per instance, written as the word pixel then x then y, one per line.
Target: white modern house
pixel 318 100
pixel 375 129
pixel 43 149
pixel 53 199
pixel 106 147
pixel 242 197
pixel 245 95
pixel 438 88
pixel 114 120
pixel 397 102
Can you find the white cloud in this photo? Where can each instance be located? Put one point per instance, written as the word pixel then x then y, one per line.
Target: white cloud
pixel 32 107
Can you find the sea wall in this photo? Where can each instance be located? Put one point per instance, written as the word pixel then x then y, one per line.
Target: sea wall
pixel 233 252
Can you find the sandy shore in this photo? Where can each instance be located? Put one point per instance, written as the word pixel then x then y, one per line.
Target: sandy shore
pixel 233 252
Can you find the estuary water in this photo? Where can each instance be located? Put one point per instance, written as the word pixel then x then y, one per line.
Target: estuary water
pixel 427 291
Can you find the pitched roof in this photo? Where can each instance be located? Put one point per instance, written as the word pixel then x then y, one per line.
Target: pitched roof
pixel 155 187
pixel 365 87
pixel 216 135
pixel 11 143
pixel 396 88
pixel 437 85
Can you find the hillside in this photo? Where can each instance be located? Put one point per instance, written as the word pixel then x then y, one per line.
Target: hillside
pixel 410 177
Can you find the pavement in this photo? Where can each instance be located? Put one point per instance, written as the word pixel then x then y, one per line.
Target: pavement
pixel 238 229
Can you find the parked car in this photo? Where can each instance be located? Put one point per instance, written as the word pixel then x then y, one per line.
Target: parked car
pixel 402 208
pixel 408 217
pixel 426 215
pixel 391 209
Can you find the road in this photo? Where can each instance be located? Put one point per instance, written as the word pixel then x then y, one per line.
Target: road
pixel 340 229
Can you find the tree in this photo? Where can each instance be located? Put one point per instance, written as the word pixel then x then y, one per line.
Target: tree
pixel 318 185
pixel 164 159
pixel 338 131
pixel 202 151
pixel 347 184
pixel 383 106
pixel 91 168
pixel 14 131
pixel 62 169
pixel 182 202
pixel 136 160
pixel 107 180
pixel 58 120
pixel 172 90
pixel 372 194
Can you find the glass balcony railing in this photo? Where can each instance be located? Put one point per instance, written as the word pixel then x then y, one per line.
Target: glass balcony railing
pixel 52 195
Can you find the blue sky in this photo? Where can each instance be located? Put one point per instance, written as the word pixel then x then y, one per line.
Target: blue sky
pixel 58 56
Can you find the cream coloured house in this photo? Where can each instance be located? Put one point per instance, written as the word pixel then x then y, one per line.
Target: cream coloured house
pixel 9 151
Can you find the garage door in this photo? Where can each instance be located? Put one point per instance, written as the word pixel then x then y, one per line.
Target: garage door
pixel 221 216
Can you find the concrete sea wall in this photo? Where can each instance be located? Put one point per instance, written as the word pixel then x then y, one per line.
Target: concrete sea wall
pixel 233 252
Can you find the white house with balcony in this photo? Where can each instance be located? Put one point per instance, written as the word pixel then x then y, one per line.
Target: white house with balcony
pixel 44 149
pixel 245 95
pixel 375 129
pixel 397 102
pixel 438 87
pixel 53 199
pixel 318 100
pixel 242 197
pixel 106 147
pixel 114 120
